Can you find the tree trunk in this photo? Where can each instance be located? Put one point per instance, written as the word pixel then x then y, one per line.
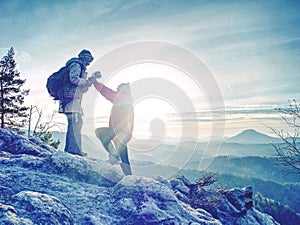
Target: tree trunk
pixel 2 106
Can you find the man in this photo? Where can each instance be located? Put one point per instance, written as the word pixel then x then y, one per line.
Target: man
pixel 75 85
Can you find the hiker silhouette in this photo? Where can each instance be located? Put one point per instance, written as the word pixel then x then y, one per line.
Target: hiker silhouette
pixel 115 137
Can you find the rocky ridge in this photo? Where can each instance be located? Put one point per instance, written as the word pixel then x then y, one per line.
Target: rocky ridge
pixel 40 185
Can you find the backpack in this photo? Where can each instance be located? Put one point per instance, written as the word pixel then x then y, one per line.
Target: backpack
pixel 56 82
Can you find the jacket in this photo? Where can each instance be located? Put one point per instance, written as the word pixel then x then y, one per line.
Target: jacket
pixel 76 83
pixel 122 113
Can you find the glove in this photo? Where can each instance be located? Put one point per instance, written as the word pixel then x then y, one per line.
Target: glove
pixel 92 80
pixel 84 89
pixel 97 74
pixel 88 83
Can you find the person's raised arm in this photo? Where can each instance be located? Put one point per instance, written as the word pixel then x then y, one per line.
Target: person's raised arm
pixel 108 93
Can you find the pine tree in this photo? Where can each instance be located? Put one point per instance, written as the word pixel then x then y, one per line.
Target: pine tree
pixel 47 137
pixel 12 112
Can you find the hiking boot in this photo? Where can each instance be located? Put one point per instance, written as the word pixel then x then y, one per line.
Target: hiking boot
pixel 83 154
pixel 78 153
pixel 114 159
pixel 111 148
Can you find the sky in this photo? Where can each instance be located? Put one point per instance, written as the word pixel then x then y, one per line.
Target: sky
pixel 249 49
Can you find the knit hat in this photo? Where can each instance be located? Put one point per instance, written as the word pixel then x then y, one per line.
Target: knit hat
pixel 86 55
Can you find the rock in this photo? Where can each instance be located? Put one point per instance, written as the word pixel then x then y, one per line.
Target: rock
pixel 162 180
pixel 42 208
pixel 241 198
pixel 42 186
pixel 8 215
pixel 146 201
pixel 18 144
pixel 232 206
pixel 42 144
pixel 180 185
pixel 85 170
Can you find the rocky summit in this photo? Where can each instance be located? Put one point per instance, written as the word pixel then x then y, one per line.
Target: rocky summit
pixel 40 185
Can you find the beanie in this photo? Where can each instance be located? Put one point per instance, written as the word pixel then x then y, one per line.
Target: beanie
pixel 86 55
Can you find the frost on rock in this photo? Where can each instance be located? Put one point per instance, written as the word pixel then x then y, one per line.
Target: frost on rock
pixel 232 206
pixel 18 144
pixel 8 215
pixel 240 198
pixel 85 170
pixel 42 144
pixel 146 201
pixel 42 208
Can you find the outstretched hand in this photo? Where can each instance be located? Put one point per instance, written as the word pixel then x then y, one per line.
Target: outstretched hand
pixel 97 74
pixel 92 79
pixel 89 83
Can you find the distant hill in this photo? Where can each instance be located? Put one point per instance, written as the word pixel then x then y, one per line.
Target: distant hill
pixel 242 150
pixel 251 136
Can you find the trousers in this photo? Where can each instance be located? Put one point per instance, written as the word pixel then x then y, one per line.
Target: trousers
pixel 107 135
pixel 73 137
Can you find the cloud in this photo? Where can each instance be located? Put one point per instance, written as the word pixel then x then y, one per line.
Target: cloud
pixel 22 57
pixel 248 112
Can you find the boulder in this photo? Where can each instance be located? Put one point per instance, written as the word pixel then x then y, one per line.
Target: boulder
pixel 42 208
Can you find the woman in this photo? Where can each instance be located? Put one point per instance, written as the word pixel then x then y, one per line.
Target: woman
pixel 115 137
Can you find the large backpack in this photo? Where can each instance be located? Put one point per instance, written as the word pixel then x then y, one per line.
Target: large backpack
pixel 57 81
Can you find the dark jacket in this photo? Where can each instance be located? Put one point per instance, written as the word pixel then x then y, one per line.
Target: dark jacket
pixel 75 86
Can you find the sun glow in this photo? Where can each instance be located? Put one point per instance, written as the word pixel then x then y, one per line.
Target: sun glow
pixel 154 111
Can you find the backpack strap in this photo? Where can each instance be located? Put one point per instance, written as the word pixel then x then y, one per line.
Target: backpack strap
pixel 68 64
pixel 69 89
